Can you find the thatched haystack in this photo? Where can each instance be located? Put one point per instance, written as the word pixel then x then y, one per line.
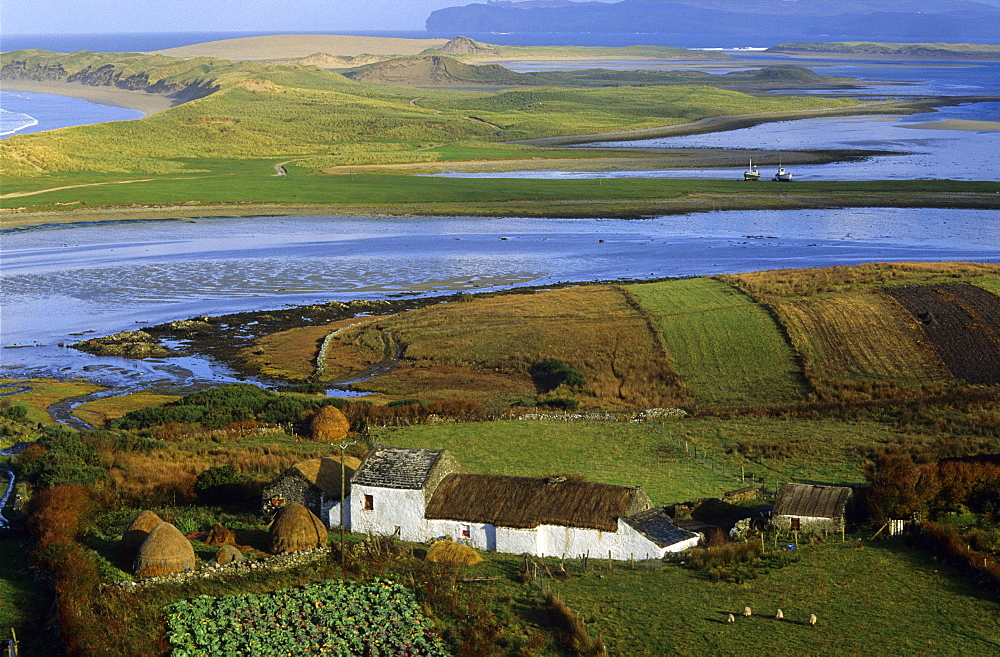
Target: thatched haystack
pixel 296 528
pixel 228 554
pixel 136 533
pixel 329 425
pixel 454 553
pixel 164 551
pixel 220 535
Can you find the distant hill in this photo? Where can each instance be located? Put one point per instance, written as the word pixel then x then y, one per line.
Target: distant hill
pixel 938 20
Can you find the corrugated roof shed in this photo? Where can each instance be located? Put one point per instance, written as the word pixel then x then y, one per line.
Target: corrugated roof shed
pixel 658 527
pixel 807 500
pixel 397 467
pixel 526 502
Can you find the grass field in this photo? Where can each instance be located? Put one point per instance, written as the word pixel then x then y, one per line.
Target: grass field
pixel 727 348
pixel 45 392
pixel 877 599
pixel 660 457
pixel 98 412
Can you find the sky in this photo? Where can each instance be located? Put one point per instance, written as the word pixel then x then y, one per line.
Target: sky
pixel 116 16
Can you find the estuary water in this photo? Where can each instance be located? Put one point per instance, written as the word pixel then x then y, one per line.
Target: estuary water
pixel 63 283
pixel 22 112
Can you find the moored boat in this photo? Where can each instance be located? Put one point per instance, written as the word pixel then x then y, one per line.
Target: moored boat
pixel 783 175
pixel 752 173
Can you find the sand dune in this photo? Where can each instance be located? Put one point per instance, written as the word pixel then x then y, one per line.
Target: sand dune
pixel 301 45
pixel 956 124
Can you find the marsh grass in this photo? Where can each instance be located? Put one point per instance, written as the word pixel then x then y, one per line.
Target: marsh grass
pixel 45 392
pixel 592 329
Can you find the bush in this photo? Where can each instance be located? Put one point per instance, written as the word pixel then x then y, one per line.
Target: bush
pixel 220 484
pixel 549 374
pixel 563 403
pixel 17 412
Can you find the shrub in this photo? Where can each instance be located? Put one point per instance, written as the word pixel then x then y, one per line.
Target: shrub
pixel 563 403
pixel 549 374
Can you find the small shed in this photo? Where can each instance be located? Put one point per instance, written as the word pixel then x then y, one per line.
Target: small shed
pixel 656 525
pixel 315 484
pixel 811 509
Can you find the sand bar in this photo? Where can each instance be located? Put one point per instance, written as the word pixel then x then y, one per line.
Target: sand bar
pixel 956 124
pixel 285 46
pixel 135 100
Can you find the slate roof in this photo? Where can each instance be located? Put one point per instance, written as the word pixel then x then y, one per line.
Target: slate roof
pixel 811 501
pixel 658 527
pixel 397 467
pixel 526 502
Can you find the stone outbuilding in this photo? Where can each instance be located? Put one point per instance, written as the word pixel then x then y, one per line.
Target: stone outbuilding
pixel 315 484
pixel 811 509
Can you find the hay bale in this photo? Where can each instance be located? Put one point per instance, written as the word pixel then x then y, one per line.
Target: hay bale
pixel 329 425
pixel 296 528
pixel 136 533
pixel 220 535
pixel 164 551
pixel 228 554
pixel 454 553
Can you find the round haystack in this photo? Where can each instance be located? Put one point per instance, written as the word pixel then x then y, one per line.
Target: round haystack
pixel 329 425
pixel 451 552
pixel 220 535
pixel 164 551
pixel 136 533
pixel 228 554
pixel 296 528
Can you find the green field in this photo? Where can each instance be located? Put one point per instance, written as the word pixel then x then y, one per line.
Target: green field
pixel 878 599
pixel 728 349
pixel 660 457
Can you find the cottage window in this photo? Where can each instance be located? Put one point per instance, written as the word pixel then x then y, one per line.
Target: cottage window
pixel 466 531
pixel 795 524
pixel 369 503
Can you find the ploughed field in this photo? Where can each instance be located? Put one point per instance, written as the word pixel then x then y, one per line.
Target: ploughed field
pixel 963 322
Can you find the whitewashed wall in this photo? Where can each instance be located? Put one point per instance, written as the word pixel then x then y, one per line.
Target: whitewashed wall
pixel 331 512
pixel 393 507
pixel 554 540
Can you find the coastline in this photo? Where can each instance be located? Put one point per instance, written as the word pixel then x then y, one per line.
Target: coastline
pixel 139 101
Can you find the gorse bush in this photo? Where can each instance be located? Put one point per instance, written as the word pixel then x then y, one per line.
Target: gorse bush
pixel 549 374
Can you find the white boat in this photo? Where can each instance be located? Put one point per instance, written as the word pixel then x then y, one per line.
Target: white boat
pixel 752 173
pixel 783 175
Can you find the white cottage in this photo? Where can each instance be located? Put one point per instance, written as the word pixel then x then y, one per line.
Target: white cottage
pixel 424 494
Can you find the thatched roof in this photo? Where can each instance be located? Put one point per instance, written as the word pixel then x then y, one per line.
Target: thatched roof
pixel 136 533
pixel 325 473
pixel 451 552
pixel 811 501
pixel 397 467
pixel 164 551
pixel 296 528
pixel 526 502
pixel 658 527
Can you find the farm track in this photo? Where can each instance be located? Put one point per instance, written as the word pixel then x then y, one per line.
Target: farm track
pixel 963 322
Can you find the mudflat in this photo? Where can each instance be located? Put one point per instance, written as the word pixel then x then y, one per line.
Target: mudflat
pixel 302 45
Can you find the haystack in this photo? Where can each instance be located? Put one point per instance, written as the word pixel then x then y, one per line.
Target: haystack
pixel 164 551
pixel 454 553
pixel 296 528
pixel 329 425
pixel 220 535
pixel 228 554
pixel 136 533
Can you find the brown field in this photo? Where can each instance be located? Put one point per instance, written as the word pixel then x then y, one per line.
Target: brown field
pixel 963 322
pixel 489 343
pixel 291 354
pixel 807 282
pixel 98 413
pixel 859 344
